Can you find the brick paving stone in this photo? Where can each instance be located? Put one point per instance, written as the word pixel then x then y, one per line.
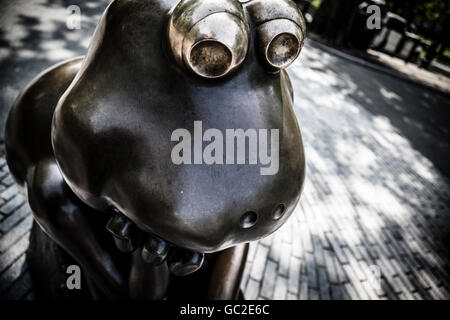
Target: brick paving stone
pixel 370 290
pixel 252 290
pixel 351 292
pixel 337 292
pixel 356 282
pixel 313 294
pixel 267 241
pixel 10 221
pixel 387 288
pixel 357 270
pixel 275 249
pixel 13 253
pixel 418 296
pixel 306 238
pixel 259 263
pixel 8 277
pixel 342 276
pixel 303 295
pixel 294 275
pixel 9 192
pixel 297 250
pixel 291 296
pixel 337 249
pixel 15 234
pixel 318 251
pixel 286 231
pixel 283 267
pixel 324 284
pixel 281 288
pixel 252 251
pixel 311 271
pixel 8 181
pixel 12 204
pixel 269 280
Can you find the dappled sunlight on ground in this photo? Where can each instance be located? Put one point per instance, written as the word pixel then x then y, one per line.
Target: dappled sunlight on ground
pixel 34 36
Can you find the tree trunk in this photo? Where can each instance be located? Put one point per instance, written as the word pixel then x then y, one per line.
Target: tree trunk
pixel 333 19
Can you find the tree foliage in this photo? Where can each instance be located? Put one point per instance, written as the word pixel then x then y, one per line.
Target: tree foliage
pixel 422 11
pixel 331 20
pixel 334 17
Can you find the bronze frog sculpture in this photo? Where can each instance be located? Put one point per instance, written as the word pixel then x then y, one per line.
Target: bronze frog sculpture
pixel 91 142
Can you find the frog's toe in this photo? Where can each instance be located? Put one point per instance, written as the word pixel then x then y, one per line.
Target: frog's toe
pixel 125 233
pixel 155 251
pixel 184 262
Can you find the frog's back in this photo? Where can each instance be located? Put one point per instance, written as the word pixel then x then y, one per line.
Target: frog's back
pixel 28 128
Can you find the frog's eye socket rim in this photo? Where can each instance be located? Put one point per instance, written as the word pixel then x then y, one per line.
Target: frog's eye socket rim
pixel 280 42
pixel 283 50
pixel 210 58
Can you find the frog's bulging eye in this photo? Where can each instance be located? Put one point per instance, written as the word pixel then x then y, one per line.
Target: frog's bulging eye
pixel 280 42
pixel 215 45
pixel 280 31
pixel 209 37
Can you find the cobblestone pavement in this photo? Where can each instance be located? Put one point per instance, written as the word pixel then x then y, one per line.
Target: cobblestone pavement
pixel 373 219
pixel 15 225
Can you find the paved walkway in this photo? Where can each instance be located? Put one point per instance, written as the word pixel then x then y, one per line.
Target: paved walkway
pixel 373 219
pixel 439 80
pixel 15 224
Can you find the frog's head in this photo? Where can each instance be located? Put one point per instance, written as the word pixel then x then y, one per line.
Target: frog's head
pixel 162 72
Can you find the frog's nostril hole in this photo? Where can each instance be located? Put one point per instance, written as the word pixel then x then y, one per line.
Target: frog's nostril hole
pixel 279 212
pixel 248 219
pixel 210 58
pixel 283 50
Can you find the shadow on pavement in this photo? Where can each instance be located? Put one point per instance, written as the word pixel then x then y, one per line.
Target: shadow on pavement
pixel 34 36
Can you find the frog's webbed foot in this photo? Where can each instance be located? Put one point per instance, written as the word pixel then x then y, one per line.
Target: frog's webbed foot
pixel 154 251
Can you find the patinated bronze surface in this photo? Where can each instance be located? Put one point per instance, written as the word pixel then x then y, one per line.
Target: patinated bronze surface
pixel 89 140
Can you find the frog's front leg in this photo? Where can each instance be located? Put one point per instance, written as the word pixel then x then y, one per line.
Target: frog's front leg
pixel 148 281
pixel 73 226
